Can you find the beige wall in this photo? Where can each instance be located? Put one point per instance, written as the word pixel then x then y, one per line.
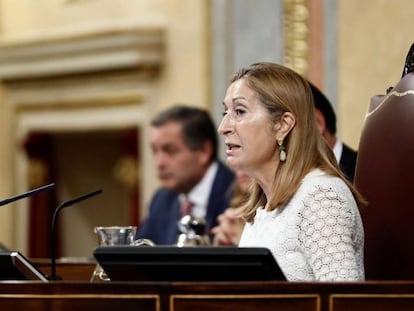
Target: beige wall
pixel 36 19
pixel 185 76
pixel 6 214
pixel 374 38
pixel 182 77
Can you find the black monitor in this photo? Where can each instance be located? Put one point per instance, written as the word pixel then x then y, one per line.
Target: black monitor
pixel 14 266
pixel 171 263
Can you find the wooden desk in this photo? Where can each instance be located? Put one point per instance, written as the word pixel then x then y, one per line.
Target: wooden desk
pixel 223 296
pixel 68 269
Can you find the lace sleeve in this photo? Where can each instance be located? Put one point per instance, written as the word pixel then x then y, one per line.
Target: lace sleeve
pixel 329 233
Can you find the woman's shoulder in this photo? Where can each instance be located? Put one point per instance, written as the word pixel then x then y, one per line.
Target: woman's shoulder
pixel 317 176
pixel 318 181
pixel 322 194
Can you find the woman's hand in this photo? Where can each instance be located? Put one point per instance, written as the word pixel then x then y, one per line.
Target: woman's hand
pixel 229 229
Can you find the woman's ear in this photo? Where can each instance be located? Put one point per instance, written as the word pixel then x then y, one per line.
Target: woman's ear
pixel 285 124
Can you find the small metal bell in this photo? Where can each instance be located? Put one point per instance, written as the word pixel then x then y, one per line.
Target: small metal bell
pixel 193 232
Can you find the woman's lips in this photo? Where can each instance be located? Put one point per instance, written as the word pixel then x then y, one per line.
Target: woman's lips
pixel 231 147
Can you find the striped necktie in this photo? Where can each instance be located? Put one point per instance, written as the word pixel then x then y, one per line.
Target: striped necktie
pixel 186 206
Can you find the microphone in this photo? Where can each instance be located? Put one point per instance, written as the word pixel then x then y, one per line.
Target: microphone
pixel 26 194
pixel 53 238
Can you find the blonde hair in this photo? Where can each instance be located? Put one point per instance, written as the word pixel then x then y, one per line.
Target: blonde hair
pixel 281 90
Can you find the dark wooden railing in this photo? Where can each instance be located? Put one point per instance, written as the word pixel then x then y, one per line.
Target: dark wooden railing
pixel 76 292
pixel 225 296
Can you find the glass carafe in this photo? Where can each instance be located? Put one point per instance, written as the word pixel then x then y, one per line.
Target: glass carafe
pixel 109 236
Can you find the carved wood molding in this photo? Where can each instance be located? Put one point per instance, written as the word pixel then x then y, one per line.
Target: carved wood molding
pixel 296 35
pixel 103 51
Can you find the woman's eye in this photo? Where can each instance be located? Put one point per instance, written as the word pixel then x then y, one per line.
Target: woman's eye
pixel 239 111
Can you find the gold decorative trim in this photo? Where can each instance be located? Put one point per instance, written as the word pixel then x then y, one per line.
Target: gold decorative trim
pixel 82 296
pixel 334 297
pixel 37 172
pixel 296 35
pixel 316 297
pixel 393 93
pixel 399 94
pixel 156 298
pixel 126 171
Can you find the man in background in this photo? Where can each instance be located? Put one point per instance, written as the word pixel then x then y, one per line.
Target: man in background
pixel 193 181
pixel 326 119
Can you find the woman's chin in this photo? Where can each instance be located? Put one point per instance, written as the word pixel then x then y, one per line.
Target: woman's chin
pixel 233 163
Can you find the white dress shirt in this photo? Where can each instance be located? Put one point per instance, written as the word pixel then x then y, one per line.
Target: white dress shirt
pixel 337 150
pixel 199 195
pixel 317 236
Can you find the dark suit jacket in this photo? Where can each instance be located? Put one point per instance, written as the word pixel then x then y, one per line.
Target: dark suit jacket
pixel 347 162
pixel 164 210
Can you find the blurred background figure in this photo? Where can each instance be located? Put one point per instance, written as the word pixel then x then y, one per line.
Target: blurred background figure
pixel 193 181
pixel 230 226
pixel 326 118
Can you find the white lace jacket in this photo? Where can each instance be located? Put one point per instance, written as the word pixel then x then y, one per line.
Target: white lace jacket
pixel 317 236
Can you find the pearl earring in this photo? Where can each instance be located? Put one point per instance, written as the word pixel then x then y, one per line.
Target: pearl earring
pixel 282 150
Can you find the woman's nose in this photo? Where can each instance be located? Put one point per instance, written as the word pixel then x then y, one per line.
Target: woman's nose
pixel 224 127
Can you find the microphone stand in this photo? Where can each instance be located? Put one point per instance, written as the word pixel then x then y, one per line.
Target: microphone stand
pixel 26 194
pixel 53 227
